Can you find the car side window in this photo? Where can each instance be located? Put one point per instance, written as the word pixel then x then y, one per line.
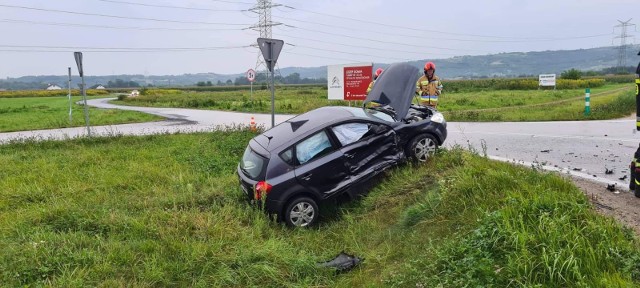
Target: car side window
pixel 313 147
pixel 287 156
pixel 350 132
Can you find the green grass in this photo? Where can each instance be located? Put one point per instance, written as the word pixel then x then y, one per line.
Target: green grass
pixel 32 113
pixel 608 102
pixel 289 100
pixel 166 210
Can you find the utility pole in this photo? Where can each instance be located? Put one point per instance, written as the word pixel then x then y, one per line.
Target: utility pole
pixel 622 49
pixel 264 26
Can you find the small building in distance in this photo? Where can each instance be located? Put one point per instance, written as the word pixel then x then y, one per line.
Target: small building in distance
pixel 54 87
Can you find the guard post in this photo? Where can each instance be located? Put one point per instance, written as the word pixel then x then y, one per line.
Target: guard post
pixel 587 102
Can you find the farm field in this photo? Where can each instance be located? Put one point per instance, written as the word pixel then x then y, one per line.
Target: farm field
pixel 166 210
pixel 608 102
pixel 49 112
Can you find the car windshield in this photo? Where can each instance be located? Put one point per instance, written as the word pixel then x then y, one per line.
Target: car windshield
pixel 373 112
pixel 252 164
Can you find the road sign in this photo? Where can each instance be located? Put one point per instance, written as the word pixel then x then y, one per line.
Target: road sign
pixel 547 80
pixel 270 49
pixel 251 75
pixel 78 56
pixel 349 81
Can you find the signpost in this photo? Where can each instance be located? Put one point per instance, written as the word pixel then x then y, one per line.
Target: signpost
pixel 78 56
pixel 547 80
pixel 251 76
pixel 70 104
pixel 271 49
pixel 350 81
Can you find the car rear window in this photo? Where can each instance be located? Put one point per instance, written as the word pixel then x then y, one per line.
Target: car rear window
pixel 252 164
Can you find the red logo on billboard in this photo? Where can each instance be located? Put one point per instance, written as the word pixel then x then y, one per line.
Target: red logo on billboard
pixel 356 82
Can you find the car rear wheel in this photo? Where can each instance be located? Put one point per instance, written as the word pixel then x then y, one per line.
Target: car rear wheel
pixel 422 147
pixel 301 212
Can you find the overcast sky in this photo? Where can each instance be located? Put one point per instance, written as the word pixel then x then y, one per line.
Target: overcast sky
pixel 212 36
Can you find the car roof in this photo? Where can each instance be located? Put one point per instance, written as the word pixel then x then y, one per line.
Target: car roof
pixel 296 127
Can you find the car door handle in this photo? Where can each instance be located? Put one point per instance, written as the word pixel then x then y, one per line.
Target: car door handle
pixel 306 177
pixel 350 156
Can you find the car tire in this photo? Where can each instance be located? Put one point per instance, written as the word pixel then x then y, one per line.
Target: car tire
pixel 301 212
pixel 422 147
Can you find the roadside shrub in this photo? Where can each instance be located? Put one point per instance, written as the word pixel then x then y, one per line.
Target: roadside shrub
pixel 572 73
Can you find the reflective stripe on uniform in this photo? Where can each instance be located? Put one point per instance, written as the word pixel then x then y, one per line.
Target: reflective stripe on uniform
pixel 637 182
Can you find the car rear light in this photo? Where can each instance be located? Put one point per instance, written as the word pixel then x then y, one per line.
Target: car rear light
pixel 261 188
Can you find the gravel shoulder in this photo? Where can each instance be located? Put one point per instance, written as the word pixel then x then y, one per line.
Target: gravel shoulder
pixel 621 204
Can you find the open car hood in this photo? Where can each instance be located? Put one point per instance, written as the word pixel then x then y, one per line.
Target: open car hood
pixel 396 87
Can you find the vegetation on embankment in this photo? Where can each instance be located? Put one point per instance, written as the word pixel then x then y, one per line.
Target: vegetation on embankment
pixel 166 210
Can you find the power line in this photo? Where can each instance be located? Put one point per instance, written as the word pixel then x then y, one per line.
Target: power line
pixel 264 26
pixel 386 42
pixel 441 38
pixel 115 27
pixel 119 17
pixel 365 47
pixel 350 53
pixel 118 49
pixel 172 7
pixel 325 57
pixel 622 49
pixel 402 27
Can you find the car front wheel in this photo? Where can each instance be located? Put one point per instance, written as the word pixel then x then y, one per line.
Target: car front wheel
pixel 301 212
pixel 422 147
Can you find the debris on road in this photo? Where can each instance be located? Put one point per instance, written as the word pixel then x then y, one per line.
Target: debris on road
pixel 623 177
pixel 342 263
pixel 608 171
pixel 611 187
pixel 545 151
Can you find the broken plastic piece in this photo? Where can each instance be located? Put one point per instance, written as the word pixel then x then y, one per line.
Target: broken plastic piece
pixel 545 151
pixel 607 171
pixel 342 263
pixel 611 187
pixel 624 177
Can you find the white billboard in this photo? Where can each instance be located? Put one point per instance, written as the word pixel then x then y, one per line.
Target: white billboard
pixel 547 80
pixel 349 81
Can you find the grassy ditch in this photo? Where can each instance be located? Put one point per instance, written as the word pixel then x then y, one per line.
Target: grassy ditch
pixel 32 113
pixel 165 210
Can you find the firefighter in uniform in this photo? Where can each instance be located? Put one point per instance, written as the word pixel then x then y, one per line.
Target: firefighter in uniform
pixel 375 77
pixel 429 86
pixel 634 182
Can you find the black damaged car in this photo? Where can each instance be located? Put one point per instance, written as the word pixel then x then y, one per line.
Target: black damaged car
pixel 325 153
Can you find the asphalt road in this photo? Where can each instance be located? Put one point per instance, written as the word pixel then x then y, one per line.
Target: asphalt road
pixel 581 148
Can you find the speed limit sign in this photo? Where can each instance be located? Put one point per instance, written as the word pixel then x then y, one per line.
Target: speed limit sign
pixel 251 75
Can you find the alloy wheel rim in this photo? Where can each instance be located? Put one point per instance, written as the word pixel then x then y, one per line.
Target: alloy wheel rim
pixel 302 214
pixel 425 148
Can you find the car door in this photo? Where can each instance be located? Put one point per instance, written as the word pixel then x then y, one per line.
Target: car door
pixel 320 165
pixel 368 148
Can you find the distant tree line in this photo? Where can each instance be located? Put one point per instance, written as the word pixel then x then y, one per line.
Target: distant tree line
pixel 261 78
pixel 16 85
pixel 119 83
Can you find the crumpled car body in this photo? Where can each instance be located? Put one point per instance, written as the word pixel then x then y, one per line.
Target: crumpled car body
pixel 328 152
